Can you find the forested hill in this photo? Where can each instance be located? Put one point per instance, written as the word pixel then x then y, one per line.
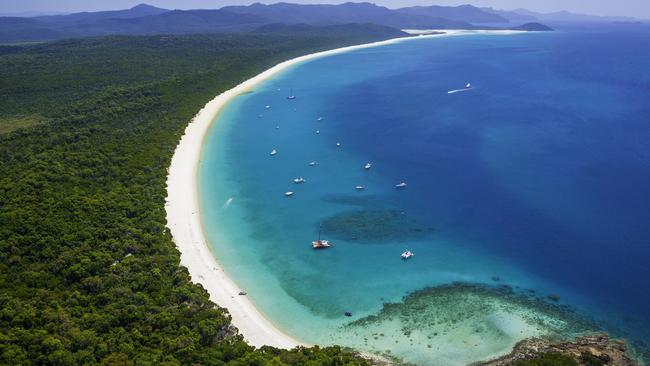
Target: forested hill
pixel 88 272
pixel 145 20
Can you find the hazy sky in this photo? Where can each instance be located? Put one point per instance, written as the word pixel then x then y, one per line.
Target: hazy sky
pixel 636 8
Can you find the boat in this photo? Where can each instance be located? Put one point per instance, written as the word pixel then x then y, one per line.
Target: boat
pixel 360 188
pixel 368 166
pixel 400 185
pixel 288 194
pixel 267 107
pixel 407 255
pixel 313 163
pixel 320 244
pixel 277 127
pixel 338 144
pixel 291 96
pixel 317 132
pixel 319 119
pixel 299 180
pixel 467 87
pixel 274 152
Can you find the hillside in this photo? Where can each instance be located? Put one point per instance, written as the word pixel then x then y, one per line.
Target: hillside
pixel 148 20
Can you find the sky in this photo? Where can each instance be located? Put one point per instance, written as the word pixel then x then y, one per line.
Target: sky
pixel 635 8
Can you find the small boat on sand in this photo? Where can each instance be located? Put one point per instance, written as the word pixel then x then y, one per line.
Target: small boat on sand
pixel 407 255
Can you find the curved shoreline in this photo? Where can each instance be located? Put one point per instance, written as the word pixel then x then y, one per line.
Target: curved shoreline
pixel 183 209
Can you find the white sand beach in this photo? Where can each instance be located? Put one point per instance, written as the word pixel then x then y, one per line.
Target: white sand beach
pixel 184 220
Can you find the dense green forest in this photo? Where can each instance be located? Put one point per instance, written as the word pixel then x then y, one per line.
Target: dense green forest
pixel 88 272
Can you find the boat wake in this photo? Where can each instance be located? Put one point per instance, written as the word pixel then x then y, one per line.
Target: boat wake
pixel 466 88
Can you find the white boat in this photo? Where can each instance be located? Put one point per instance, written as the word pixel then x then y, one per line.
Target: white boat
pixel 469 85
pixel 313 163
pixel 267 107
pixel 277 127
pixel 407 255
pixel 367 166
pixel 288 194
pixel 291 96
pixel 317 132
pixel 360 188
pixel 400 185
pixel 274 152
pixel 299 180
pixel 338 144
pixel 319 119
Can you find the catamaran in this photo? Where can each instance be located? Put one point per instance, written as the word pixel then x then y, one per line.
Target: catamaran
pixel 320 244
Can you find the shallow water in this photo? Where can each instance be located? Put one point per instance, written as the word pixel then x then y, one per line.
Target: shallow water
pixel 537 178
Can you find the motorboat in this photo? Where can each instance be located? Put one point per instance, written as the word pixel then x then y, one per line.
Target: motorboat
pixel 288 194
pixel 407 255
pixel 313 163
pixel 268 107
pixel 319 119
pixel 317 132
pixel 360 188
pixel 338 144
pixel 367 166
pixel 400 185
pixel 291 96
pixel 273 152
pixel 299 180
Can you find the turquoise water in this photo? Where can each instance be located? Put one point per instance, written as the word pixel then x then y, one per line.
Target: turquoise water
pixel 526 205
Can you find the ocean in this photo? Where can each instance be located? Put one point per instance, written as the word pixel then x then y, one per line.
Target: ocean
pixel 527 203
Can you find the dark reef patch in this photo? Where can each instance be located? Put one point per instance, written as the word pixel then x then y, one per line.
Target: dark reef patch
pixel 442 308
pixel 374 225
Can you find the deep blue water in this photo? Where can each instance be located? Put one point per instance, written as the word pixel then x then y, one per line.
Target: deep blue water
pixel 539 175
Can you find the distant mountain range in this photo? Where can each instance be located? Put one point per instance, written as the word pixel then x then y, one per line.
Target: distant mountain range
pixel 146 20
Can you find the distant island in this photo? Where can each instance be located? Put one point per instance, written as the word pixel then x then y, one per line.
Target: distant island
pixel 148 20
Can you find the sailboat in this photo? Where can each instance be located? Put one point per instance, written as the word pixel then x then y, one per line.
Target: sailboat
pixel 291 96
pixel 320 244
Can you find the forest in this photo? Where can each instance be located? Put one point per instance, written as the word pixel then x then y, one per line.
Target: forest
pixel 89 274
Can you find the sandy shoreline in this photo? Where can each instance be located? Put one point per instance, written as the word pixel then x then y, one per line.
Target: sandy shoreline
pixel 184 221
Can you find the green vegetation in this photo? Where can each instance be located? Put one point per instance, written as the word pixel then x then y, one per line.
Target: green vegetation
pixel 549 359
pixel 88 272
